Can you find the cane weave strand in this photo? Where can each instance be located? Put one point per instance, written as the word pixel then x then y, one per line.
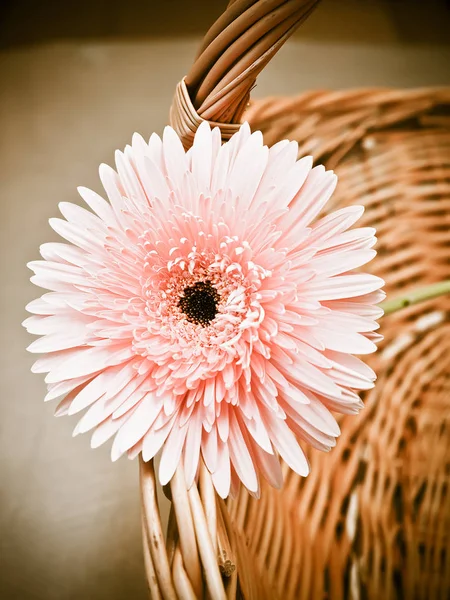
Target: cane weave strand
pixel 372 520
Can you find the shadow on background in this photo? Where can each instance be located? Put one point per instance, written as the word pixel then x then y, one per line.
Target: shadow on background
pixel 26 22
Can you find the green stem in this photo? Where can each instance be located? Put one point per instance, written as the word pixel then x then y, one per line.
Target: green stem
pixel 424 293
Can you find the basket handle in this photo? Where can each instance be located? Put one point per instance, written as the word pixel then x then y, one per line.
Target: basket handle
pixel 233 53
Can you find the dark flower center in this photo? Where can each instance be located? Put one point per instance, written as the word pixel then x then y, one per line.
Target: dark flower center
pixel 199 302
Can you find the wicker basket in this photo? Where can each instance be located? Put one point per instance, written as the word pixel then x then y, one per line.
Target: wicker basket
pixel 373 518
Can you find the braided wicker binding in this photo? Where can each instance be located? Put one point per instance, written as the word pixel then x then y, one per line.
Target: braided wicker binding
pixel 234 51
pixel 373 518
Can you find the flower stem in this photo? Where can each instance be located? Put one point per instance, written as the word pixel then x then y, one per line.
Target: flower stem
pixel 424 293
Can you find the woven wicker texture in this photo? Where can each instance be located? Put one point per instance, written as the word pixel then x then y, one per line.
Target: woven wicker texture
pixel 373 518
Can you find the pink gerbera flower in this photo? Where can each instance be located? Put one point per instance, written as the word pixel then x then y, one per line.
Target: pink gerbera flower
pixel 204 311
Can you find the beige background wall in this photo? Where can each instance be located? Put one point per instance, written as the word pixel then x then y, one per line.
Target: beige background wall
pixel 72 91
